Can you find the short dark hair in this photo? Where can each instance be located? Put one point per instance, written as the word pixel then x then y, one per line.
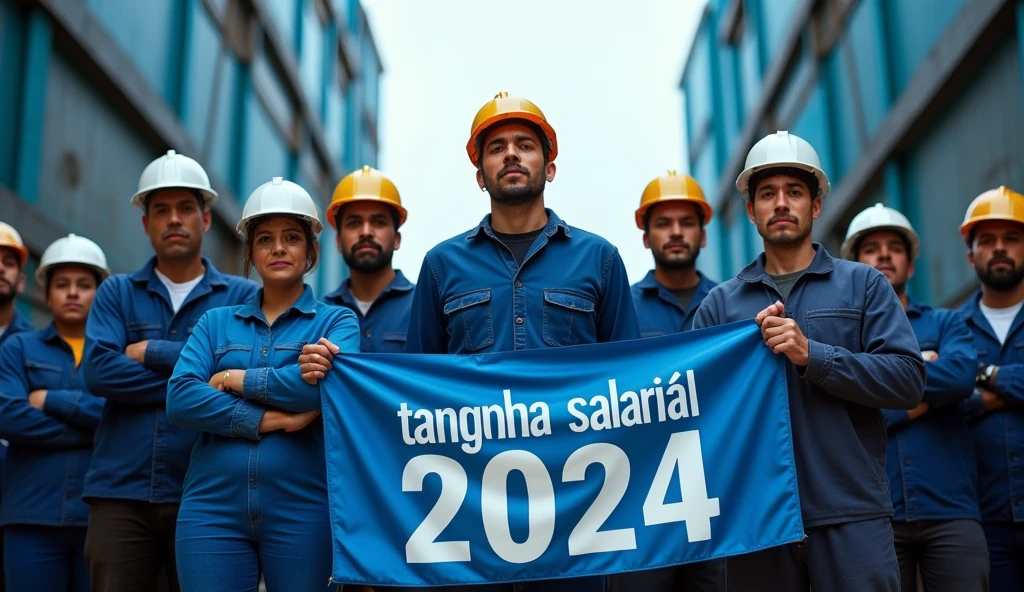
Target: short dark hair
pixel 195 192
pixel 545 142
pixel 647 215
pixel 312 245
pixel 395 216
pixel 806 177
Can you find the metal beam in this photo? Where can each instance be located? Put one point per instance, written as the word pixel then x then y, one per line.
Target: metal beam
pixel 973 34
pixel 771 84
pixel 107 65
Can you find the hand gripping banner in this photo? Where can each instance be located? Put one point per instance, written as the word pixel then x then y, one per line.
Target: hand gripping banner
pixel 583 460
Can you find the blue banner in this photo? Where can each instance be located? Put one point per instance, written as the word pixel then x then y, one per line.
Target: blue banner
pixel 541 464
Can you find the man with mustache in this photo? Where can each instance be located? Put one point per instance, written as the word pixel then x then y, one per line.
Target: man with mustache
pixel 522 278
pixel 672 214
pixel 929 457
pixel 367 212
pixel 994 230
pixel 137 328
pixel 849 353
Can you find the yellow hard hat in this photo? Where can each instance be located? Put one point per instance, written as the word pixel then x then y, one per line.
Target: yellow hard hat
pixel 1001 203
pixel 672 187
pixel 501 108
pixel 366 184
pixel 10 238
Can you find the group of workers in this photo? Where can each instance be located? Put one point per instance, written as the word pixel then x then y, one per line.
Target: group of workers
pixel 163 432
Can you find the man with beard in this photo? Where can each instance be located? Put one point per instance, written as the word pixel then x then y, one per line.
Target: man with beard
pixel 522 278
pixel 849 353
pixel 13 255
pixel 994 231
pixel 672 214
pixel 138 327
pixel 367 212
pixel 929 457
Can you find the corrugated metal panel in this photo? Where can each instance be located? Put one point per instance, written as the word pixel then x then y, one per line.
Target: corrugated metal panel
pixel 777 17
pixel 844 114
pixel 870 65
pixel 911 44
pixel 976 146
pixel 312 54
pixel 266 155
pixel 144 31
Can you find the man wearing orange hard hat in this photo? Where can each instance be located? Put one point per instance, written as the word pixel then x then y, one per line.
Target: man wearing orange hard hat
pixel 366 211
pixel 522 278
pixel 673 213
pixel 13 255
pixel 994 230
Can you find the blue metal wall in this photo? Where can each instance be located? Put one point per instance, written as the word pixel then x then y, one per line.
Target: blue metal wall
pixel 915 104
pixel 93 90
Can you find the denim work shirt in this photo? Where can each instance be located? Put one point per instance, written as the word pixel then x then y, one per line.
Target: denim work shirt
pixel 930 460
pixel 383 329
pixel 19 324
pixel 998 435
pixel 863 358
pixel 472 296
pixel 658 311
pixel 236 471
pixel 139 455
pixel 50 448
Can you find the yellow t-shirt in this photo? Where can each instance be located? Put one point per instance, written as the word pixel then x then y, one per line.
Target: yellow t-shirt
pixel 77 346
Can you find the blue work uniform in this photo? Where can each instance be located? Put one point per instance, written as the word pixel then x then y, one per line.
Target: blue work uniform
pixel 43 515
pixel 254 503
pixel 931 468
pixel 472 296
pixel 863 357
pixel 657 310
pixel 383 329
pixel 998 438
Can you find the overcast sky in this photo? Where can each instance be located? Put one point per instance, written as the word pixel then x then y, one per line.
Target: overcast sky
pixel 605 72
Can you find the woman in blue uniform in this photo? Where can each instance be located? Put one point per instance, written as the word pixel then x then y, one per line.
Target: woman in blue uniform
pixel 255 498
pixel 48 417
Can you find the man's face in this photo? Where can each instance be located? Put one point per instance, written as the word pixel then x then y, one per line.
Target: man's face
pixel 886 251
pixel 997 254
pixel 12 280
pixel 675 234
pixel 512 167
pixel 367 238
pixel 783 210
pixel 175 222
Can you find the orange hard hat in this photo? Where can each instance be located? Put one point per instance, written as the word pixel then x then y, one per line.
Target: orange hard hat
pixel 1001 203
pixel 503 107
pixel 10 238
pixel 672 187
pixel 366 184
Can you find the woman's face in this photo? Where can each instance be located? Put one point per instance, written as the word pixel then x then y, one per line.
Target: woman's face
pixel 279 250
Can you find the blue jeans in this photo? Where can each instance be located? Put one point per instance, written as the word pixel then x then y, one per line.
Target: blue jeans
pixel 45 558
pixel 214 552
pixel 1006 555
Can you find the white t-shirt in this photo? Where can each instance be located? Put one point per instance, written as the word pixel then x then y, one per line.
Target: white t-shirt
pixel 178 292
pixel 1001 318
pixel 363 306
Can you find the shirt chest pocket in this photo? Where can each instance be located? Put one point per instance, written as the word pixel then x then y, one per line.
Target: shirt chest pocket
pixel 141 331
pixel 568 318
pixel 470 322
pixel 287 353
pixel 835 326
pixel 392 343
pixel 233 355
pixel 42 375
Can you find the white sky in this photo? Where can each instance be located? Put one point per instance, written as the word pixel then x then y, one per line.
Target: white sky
pixel 605 72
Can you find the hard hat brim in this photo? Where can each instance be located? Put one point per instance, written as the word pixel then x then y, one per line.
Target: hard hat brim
pixel 743 180
pixel 851 243
pixel 209 195
pixel 708 211
pixel 243 225
pixel 332 209
pixel 488 123
pixel 21 251
pixel 43 270
pixel 966 227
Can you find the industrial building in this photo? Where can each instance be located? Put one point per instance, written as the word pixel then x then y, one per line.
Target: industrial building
pixel 918 104
pixel 93 90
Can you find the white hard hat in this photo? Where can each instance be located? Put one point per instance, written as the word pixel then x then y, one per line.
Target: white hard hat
pixel 280 197
pixel 782 149
pixel 72 249
pixel 875 218
pixel 173 170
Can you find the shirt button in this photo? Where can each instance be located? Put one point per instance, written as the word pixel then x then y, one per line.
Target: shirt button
pixel 174 331
pixel 1014 458
pixel 519 320
pixel 906 463
pixel 368 334
pixel 519 284
pixel 263 351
